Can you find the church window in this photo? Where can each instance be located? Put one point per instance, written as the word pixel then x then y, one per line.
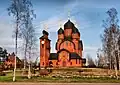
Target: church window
pixel 56 63
pixel 42 45
pixel 76 61
pixel 79 61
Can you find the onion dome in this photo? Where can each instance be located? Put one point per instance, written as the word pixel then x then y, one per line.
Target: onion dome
pixel 45 33
pixel 68 25
pixel 60 31
pixel 75 30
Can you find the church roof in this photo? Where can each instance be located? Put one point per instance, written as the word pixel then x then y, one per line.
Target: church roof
pixel 45 32
pixel 63 50
pixel 75 30
pixel 53 56
pixel 43 37
pixel 67 40
pixel 74 56
pixel 60 31
pixel 68 25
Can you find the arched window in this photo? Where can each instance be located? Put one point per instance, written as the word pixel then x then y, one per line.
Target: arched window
pixel 42 45
pixel 76 61
pixel 79 61
pixel 56 63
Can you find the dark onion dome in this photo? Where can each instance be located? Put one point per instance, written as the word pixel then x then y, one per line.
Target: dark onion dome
pixel 45 32
pixel 60 31
pixel 75 30
pixel 43 37
pixel 68 25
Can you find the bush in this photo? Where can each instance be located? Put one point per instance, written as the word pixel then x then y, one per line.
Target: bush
pixel 44 72
pixel 2 74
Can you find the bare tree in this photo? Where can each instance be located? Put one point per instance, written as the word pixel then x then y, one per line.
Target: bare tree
pixel 31 46
pixel 90 61
pixel 26 26
pixel 100 61
pixel 27 31
pixel 110 38
pixel 16 10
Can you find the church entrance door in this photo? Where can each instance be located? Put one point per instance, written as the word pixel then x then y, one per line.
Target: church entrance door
pixel 64 63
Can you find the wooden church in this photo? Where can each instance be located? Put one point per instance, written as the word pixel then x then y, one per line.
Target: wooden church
pixel 69 48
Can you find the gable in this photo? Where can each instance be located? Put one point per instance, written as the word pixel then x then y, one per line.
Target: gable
pixel 63 55
pixel 68 45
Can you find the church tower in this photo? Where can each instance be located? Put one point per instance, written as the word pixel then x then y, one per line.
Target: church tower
pixel 44 49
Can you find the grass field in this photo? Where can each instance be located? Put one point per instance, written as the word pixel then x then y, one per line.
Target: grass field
pixel 65 75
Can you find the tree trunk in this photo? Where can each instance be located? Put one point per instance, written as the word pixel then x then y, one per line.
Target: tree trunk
pixel 15 47
pixel 25 55
pixel 29 71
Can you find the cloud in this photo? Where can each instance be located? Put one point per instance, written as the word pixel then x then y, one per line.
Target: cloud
pixel 6 39
pixel 6 34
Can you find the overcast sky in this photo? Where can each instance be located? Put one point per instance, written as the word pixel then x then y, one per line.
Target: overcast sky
pixel 86 14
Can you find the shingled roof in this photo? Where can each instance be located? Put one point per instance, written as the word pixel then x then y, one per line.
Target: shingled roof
pixel 75 30
pixel 74 56
pixel 68 25
pixel 60 31
pixel 45 32
pixel 43 37
pixel 53 56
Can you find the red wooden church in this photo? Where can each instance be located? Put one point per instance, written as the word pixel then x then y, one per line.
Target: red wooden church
pixel 69 48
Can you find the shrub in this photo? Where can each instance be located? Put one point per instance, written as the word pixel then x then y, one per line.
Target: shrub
pixel 44 72
pixel 2 74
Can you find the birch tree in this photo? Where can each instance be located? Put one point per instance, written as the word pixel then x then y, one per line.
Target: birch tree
pixel 28 32
pixel 110 38
pixel 15 10
pixel 26 26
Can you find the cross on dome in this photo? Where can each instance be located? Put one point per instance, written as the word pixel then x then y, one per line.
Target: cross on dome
pixel 45 27
pixel 69 14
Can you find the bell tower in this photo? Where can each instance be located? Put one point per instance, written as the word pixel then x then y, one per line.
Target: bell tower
pixel 44 49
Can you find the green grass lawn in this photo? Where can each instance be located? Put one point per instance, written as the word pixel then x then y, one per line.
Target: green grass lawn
pixel 53 78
